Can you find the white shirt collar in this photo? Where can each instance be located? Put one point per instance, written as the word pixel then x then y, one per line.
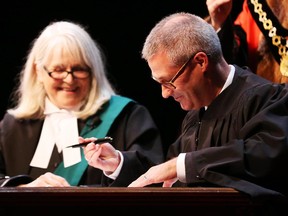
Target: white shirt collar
pixel 229 78
pixel 60 128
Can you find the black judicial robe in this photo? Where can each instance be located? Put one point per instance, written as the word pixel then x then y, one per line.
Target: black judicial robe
pixel 241 139
pixel 134 133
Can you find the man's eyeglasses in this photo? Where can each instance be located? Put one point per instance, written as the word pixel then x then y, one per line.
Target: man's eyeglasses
pixel 170 84
pixel 76 72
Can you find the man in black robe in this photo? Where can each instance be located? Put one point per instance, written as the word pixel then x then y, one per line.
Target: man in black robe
pixel 235 131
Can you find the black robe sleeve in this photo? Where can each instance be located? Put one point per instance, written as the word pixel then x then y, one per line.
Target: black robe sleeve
pixel 138 138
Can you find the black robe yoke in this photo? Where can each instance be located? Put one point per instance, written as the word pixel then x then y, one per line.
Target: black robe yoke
pixel 241 140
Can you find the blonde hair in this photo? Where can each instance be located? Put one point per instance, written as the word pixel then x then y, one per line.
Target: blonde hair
pixel 29 97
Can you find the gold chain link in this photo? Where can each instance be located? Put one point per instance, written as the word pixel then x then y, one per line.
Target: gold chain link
pixel 276 39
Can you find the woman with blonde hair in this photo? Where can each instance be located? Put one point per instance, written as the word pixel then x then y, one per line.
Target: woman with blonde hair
pixel 64 94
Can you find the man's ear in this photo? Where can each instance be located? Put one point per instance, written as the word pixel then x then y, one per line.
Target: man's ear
pixel 202 59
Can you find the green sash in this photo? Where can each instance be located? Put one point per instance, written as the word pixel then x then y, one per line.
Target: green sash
pixel 74 173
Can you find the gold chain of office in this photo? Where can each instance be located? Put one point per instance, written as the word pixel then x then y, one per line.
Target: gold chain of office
pixel 276 39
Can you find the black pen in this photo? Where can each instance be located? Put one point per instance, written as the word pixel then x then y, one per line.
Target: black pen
pixel 98 141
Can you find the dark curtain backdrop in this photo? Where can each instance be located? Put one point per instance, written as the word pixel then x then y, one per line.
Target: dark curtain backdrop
pixel 119 26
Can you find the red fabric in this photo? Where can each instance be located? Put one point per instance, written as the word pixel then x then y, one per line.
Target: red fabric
pixel 246 21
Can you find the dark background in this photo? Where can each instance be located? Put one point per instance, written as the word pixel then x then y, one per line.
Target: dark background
pixel 120 27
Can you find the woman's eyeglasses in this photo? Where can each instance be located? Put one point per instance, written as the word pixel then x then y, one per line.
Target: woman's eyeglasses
pixel 76 72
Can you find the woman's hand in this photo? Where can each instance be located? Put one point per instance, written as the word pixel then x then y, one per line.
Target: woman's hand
pixel 48 180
